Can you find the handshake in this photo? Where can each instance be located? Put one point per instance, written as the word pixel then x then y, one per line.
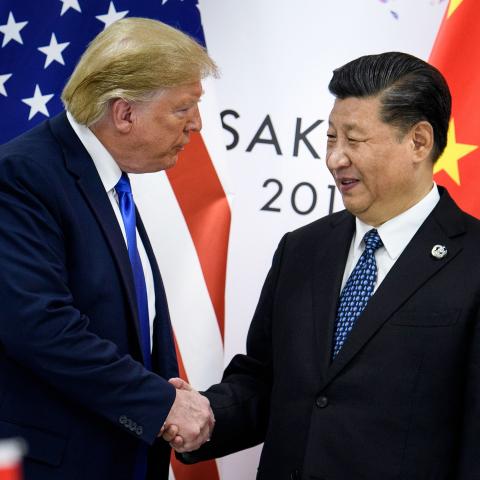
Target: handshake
pixel 190 421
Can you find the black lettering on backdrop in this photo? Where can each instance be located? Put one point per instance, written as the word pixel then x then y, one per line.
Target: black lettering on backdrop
pixel 332 198
pixel 302 137
pixel 225 125
pixel 266 124
pixel 266 134
pixel 293 198
pixel 269 207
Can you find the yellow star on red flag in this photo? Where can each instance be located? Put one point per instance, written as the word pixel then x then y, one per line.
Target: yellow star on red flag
pixel 452 154
pixel 452 6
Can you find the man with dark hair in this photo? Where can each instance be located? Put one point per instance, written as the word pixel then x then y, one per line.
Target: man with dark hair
pixel 363 356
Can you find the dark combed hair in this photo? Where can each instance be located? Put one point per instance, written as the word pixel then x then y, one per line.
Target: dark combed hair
pixel 410 90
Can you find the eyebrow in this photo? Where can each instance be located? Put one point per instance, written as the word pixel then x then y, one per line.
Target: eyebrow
pixel 349 127
pixel 353 126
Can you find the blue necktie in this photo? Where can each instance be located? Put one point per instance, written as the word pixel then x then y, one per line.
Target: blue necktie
pixel 127 209
pixel 357 290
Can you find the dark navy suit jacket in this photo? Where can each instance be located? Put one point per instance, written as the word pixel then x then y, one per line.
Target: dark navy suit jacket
pixel 72 381
pixel 401 401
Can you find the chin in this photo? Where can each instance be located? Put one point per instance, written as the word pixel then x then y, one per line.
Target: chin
pixel 171 162
pixel 163 163
pixel 353 208
pixel 349 205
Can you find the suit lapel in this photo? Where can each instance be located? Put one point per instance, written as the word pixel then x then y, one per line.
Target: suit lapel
pixel 78 162
pixel 164 359
pixel 329 266
pixel 414 267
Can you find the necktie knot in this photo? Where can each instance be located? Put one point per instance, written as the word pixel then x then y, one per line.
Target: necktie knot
pixel 123 184
pixel 372 240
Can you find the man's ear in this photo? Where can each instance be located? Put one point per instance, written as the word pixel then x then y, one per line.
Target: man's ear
pixel 422 140
pixel 121 114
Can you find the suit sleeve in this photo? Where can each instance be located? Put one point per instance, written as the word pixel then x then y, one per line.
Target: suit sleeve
pixel 241 401
pixel 40 327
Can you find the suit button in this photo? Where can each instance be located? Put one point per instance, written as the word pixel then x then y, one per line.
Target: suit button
pixel 321 402
pixel 295 475
pixel 123 419
pixel 139 430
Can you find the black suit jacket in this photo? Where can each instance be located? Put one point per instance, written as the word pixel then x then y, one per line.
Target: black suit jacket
pixel 72 381
pixel 400 401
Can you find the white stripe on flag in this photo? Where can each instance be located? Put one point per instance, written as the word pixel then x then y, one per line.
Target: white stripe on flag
pixel 193 318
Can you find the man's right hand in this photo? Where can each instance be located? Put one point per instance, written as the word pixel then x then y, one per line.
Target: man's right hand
pixel 190 421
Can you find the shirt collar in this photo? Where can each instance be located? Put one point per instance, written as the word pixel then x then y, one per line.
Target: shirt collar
pixel 397 232
pixel 107 168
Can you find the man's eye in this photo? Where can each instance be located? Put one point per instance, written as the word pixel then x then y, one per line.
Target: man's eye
pixel 184 108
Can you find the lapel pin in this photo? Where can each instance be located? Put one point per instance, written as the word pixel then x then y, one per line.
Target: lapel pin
pixel 439 251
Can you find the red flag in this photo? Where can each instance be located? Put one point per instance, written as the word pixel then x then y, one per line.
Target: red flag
pixel 11 452
pixel 456 53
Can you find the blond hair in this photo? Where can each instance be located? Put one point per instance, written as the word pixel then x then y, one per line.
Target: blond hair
pixel 132 59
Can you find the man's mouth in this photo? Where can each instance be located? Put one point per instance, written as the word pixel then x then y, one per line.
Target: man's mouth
pixel 180 148
pixel 346 184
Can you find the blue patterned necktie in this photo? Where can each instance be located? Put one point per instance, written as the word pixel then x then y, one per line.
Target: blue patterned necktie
pixel 127 209
pixel 357 290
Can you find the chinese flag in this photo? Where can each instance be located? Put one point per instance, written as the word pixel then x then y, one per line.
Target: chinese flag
pixel 456 53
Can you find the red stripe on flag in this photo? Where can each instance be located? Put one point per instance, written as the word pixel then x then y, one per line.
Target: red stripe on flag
pixel 205 207
pixel 14 473
pixel 201 471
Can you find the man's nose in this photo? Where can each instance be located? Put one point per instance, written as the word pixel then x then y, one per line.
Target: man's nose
pixel 337 157
pixel 195 122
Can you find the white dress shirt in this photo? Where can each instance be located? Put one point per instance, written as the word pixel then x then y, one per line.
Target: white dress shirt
pixel 110 174
pixel 396 233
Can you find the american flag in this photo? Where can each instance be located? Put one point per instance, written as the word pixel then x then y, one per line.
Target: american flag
pixel 40 45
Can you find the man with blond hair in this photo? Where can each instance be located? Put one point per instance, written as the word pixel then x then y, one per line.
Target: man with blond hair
pixel 86 346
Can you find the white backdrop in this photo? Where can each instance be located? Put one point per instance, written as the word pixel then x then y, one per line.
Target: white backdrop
pixel 276 58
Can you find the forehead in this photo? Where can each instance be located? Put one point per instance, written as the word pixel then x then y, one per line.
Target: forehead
pixel 355 113
pixel 192 91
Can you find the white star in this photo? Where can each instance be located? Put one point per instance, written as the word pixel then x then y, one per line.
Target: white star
pixel 54 51
pixel 111 16
pixel 3 79
pixel 70 4
pixel 11 30
pixel 38 103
